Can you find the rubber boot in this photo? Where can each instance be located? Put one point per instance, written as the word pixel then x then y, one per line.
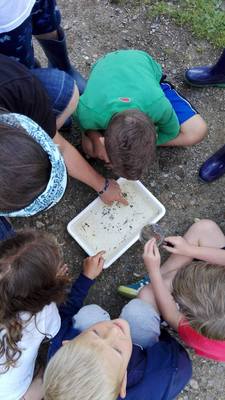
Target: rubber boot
pixel 56 52
pixel 208 75
pixel 214 167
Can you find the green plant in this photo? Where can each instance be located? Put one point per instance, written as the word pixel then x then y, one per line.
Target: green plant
pixel 206 18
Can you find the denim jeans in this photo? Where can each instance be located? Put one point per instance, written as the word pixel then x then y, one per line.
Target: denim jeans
pixel 44 18
pixel 143 320
pixel 6 230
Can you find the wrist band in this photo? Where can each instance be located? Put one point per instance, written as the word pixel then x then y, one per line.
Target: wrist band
pixel 106 185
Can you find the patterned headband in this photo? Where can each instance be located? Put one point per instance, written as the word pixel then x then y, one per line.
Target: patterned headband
pixel 58 178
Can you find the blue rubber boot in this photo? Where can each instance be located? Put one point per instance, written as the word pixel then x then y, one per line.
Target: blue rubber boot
pixel 56 52
pixel 214 167
pixel 131 291
pixel 207 75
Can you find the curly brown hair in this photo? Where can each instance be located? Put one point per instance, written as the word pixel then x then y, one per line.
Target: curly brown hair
pixel 28 281
pixel 130 141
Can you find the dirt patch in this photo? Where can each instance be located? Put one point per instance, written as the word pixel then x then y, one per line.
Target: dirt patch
pixel 94 28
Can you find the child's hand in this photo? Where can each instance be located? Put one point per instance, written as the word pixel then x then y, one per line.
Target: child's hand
pixel 180 246
pixel 92 266
pixel 63 271
pixel 113 193
pixel 151 257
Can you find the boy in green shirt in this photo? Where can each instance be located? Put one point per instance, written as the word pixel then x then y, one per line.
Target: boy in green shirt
pixel 127 109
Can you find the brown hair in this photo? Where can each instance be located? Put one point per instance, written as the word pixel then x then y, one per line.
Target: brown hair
pixel 80 370
pixel 28 282
pixel 199 289
pixel 25 168
pixel 130 143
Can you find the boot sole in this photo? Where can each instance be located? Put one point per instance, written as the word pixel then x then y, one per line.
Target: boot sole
pixel 220 85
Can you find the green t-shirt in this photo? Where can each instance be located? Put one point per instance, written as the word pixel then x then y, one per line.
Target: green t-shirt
pixel 123 80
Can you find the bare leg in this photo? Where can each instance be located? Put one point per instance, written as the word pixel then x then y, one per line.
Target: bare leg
pixel 71 107
pixel 192 132
pixel 146 294
pixel 48 36
pixel 203 233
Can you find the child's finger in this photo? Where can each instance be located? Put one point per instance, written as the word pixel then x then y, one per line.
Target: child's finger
pixel 171 239
pixel 148 249
pixel 123 200
pixel 156 250
pixel 150 244
pixel 99 254
pixel 101 262
pixel 170 248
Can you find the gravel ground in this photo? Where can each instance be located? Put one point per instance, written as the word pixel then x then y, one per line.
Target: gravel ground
pixel 94 27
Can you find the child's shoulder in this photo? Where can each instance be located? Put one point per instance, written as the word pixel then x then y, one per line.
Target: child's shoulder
pixel 46 322
pixel 153 369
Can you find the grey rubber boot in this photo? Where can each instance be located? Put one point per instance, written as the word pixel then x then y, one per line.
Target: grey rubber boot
pixel 56 52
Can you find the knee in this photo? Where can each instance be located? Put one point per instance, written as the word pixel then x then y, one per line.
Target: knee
pixel 69 109
pixel 144 293
pixel 131 309
pixel 72 105
pixel 205 225
pixel 194 130
pixel 201 130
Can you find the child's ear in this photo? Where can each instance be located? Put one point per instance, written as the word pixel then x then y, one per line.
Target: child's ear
pixel 123 387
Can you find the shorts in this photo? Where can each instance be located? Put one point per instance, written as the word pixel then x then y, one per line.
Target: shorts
pixel 182 107
pixel 58 85
pixel 44 18
pixel 142 318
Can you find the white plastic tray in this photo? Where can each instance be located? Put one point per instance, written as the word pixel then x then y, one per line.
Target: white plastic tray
pixel 114 229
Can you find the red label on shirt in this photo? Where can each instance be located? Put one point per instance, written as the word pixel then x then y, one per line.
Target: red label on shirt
pixel 125 99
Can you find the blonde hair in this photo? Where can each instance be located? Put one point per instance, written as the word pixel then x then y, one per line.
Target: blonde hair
pixel 199 289
pixel 79 370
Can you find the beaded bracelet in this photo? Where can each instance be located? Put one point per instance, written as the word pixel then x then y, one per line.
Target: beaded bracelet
pixel 106 185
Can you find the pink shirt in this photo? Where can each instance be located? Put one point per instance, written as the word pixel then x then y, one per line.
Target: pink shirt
pixel 203 346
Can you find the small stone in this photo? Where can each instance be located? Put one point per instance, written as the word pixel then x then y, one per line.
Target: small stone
pixel 39 224
pixel 136 275
pixel 178 178
pixel 194 384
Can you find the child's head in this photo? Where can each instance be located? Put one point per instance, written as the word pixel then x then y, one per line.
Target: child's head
pixel 91 366
pixel 199 289
pixel 130 141
pixel 25 168
pixel 29 263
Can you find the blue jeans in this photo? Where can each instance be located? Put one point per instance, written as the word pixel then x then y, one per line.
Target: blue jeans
pixel 6 230
pixel 58 85
pixel 143 320
pixel 44 18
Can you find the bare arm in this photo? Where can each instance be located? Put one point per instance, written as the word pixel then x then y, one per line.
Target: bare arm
pixel 164 300
pixel 80 169
pixel 181 246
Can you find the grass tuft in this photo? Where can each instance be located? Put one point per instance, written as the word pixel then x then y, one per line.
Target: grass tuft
pixel 205 18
